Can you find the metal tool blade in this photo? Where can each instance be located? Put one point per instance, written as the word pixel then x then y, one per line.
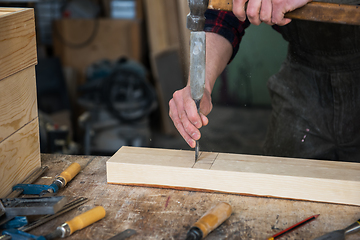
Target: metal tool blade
pixel 123 235
pixel 33 206
pixel 197 64
pixel 336 235
pixel 71 205
pixel 197 71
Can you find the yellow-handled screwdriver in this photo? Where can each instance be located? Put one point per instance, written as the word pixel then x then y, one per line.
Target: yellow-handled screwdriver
pixel 61 181
pixel 77 223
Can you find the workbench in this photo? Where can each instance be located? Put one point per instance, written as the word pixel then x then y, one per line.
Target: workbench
pixel 168 214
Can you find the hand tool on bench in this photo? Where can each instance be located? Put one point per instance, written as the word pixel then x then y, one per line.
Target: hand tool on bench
pixel 40 206
pixel 123 235
pixel 209 221
pixel 69 206
pixel 341 234
pixel 312 11
pixel 16 209
pixel 66 229
pixel 33 205
pixel 49 190
pixel 195 23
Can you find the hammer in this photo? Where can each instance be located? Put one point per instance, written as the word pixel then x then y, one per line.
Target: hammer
pixel 196 23
pixel 312 11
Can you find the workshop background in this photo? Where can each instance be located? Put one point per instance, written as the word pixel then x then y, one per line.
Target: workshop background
pixel 108 68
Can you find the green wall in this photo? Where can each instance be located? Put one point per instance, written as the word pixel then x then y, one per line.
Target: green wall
pixel 262 50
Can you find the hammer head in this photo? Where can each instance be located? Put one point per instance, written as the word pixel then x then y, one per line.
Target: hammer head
pixel 196 17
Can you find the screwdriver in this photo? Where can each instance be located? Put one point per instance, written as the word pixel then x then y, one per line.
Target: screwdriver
pixel 64 177
pixel 77 223
pixel 209 221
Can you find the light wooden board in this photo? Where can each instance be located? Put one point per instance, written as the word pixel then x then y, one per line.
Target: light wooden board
pixel 18 104
pixel 17 40
pixel 313 180
pixel 19 156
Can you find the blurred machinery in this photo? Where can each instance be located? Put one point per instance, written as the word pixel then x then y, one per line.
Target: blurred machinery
pixel 118 99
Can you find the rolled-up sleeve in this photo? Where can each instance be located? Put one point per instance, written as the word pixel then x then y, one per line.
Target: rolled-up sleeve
pixel 227 25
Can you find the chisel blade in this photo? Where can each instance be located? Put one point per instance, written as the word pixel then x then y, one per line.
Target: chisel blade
pixel 336 235
pixel 33 206
pixel 197 71
pixel 123 235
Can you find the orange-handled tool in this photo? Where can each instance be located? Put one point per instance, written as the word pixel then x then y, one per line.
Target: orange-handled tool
pixel 78 223
pixel 69 173
pixel 61 181
pixel 209 221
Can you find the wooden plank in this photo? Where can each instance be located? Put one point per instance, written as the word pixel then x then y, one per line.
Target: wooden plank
pixel 18 104
pixel 17 41
pixel 19 156
pixel 10 10
pixel 3 13
pixel 302 179
pixel 113 39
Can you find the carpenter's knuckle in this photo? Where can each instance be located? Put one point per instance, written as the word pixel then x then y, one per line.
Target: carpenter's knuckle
pixel 176 94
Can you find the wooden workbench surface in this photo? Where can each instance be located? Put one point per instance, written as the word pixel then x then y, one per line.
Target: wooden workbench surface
pixel 168 214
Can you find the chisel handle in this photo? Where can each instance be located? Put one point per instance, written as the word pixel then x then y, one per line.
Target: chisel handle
pixel 85 219
pixel 209 221
pixel 312 11
pixel 70 172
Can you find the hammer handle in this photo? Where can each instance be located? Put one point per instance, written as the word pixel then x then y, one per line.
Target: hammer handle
pixel 312 11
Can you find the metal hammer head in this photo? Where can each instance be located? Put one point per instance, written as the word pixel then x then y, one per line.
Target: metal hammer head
pixel 196 17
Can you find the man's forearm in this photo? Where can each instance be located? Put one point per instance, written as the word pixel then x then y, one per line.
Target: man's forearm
pixel 218 54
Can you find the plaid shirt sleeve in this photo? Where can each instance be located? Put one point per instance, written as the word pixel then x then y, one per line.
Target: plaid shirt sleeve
pixel 227 25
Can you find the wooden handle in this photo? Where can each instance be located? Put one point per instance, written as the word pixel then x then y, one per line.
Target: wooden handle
pixel 70 172
pixel 85 219
pixel 213 218
pixel 313 11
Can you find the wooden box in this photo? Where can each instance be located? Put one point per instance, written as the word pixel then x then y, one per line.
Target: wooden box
pixel 19 131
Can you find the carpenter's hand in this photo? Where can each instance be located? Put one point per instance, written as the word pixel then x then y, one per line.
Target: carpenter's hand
pixel 184 114
pixel 268 11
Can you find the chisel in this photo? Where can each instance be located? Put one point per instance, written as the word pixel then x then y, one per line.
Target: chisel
pixel 195 23
pixel 340 234
pixel 77 223
pixel 66 176
pixel 66 229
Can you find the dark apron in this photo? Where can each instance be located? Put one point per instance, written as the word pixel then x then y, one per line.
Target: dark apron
pixel 316 94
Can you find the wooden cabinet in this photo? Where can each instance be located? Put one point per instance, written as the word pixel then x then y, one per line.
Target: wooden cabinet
pixel 19 131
